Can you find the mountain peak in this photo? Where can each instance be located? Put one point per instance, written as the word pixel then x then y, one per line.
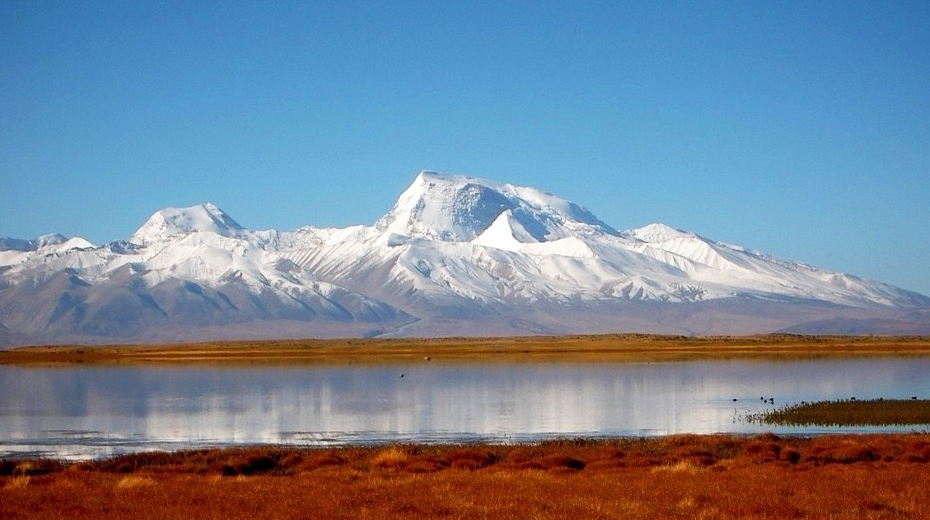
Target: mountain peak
pixel 172 221
pixel 52 239
pixel 53 242
pixel 658 232
pixel 458 208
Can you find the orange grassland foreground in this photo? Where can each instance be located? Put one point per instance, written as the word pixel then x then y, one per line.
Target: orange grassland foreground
pixel 720 477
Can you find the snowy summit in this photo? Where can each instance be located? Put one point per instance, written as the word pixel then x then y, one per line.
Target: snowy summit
pixel 171 222
pixel 455 208
pixel 455 255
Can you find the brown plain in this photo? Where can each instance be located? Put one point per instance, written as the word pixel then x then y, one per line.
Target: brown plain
pixel 720 477
pixel 611 348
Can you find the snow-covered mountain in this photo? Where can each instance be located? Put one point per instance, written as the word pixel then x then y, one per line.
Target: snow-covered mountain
pixel 455 255
pixel 171 222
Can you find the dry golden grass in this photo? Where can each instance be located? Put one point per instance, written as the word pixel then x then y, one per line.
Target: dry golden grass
pixel 615 347
pixel 390 458
pixel 134 481
pixel 688 476
pixel 18 482
pixel 682 466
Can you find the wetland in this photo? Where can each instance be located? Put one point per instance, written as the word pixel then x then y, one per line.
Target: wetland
pixel 587 427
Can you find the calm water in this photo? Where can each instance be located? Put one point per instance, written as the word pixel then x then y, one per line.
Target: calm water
pixel 97 411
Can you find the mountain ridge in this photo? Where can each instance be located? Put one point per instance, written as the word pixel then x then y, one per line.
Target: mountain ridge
pixel 454 253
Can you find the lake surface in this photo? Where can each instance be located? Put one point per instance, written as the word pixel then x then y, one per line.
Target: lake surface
pixel 84 412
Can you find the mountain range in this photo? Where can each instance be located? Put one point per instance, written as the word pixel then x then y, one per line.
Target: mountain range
pixel 456 255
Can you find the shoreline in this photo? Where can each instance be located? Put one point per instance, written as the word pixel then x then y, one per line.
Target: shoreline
pixel 710 449
pixel 594 348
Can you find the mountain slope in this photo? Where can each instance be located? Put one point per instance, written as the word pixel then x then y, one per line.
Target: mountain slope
pixel 454 255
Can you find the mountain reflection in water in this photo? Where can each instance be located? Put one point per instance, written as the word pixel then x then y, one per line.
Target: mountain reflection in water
pixel 81 412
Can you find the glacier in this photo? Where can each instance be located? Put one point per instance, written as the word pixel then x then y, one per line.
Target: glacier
pixel 455 255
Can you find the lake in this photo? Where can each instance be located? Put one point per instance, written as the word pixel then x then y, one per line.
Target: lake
pixel 94 411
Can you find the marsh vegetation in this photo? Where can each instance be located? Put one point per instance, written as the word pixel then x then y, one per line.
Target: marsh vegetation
pixel 684 476
pixel 850 412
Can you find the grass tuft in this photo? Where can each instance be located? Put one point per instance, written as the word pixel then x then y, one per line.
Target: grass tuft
pixel 557 462
pixel 19 482
pixel 320 461
pixel 390 458
pixel 683 466
pixel 425 465
pixel 471 458
pixel 134 481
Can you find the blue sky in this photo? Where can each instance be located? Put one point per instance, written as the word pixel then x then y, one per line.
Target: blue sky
pixel 798 128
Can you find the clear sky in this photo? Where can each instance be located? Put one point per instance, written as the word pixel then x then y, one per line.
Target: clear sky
pixel 801 129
